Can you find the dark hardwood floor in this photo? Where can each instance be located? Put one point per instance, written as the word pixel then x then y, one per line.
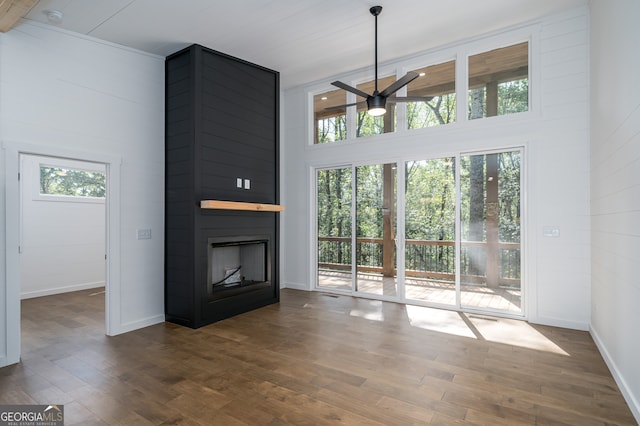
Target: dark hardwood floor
pixel 312 359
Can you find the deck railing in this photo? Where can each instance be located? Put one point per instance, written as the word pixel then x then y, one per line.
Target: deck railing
pixel 424 259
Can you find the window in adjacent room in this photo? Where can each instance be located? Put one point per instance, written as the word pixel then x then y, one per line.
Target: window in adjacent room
pixel 70 182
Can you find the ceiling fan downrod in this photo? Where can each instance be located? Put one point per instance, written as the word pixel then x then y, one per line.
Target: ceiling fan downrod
pixel 375 11
pixel 376 102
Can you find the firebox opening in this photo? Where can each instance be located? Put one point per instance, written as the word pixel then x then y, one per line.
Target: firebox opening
pixel 237 265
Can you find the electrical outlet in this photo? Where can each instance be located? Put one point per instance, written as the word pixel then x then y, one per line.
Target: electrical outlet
pixel 247 184
pixel 144 234
pixel 239 183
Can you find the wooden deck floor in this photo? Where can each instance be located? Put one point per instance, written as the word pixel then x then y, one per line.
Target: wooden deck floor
pixel 313 359
pixel 438 292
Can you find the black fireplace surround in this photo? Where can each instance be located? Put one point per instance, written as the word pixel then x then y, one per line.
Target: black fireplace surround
pixel 221 130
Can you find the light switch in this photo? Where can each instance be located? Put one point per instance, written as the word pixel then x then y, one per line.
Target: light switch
pixel 239 183
pixel 551 232
pixel 247 184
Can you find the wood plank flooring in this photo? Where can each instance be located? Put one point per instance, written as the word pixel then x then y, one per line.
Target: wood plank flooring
pixel 313 359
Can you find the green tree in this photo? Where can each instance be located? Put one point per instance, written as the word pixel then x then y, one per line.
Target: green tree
pixel 72 182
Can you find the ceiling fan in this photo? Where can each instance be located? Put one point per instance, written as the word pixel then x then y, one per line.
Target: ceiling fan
pixel 376 102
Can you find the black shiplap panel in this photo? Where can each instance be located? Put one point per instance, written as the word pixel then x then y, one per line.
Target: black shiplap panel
pixel 179 247
pixel 222 124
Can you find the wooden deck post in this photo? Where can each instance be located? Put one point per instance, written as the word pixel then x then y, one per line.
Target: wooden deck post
pixel 388 237
pixel 493 238
pixel 492 99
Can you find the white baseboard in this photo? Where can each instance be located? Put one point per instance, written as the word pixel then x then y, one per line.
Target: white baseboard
pixel 554 322
pixel 627 393
pixel 136 325
pixel 295 286
pixel 59 290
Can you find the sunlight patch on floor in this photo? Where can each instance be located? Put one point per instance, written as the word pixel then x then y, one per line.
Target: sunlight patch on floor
pixel 373 310
pixel 438 320
pixel 513 332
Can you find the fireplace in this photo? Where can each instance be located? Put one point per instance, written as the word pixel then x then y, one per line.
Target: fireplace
pixel 237 265
pixel 222 178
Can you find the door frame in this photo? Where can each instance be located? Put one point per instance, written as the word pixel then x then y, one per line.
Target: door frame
pixel 12 152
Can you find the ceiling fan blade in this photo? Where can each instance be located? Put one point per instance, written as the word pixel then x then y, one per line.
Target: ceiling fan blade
pixel 398 84
pixel 410 99
pixel 351 89
pixel 332 108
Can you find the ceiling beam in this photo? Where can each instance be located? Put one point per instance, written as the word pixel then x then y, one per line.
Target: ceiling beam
pixel 11 11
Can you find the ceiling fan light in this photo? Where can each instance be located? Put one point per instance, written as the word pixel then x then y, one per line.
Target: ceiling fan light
pixel 376 105
pixel 376 112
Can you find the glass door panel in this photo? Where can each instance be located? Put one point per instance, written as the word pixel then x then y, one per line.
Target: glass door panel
pixel 376 229
pixel 430 231
pixel 490 231
pixel 334 212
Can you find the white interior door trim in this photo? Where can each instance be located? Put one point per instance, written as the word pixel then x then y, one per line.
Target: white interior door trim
pixel 12 151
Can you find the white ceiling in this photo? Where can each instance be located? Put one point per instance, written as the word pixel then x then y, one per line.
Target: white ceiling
pixel 306 40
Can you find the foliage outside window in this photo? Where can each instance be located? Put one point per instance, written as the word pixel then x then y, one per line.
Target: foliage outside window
pixel 490 212
pixel 437 82
pixel 499 82
pixel 72 182
pixel 334 217
pixel 430 208
pixel 376 205
pixel 330 124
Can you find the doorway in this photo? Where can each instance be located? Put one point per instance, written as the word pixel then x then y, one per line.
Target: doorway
pixel 62 225
pixel 11 300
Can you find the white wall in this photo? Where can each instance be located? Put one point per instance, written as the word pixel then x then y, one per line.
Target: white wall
pixel 70 93
pixel 615 189
pixel 555 133
pixel 62 244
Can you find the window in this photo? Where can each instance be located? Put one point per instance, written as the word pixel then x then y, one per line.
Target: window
pixel 437 84
pixel 70 182
pixel 330 120
pixel 499 82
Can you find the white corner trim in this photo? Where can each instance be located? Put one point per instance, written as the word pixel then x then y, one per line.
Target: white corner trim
pixel 138 324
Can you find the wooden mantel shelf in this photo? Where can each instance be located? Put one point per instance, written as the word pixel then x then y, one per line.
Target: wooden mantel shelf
pixel 235 205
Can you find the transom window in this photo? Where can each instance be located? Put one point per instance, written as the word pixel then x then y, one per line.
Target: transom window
pixel 437 84
pixel 330 121
pixel 498 84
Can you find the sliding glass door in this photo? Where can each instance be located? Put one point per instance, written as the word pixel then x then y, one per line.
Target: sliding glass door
pixel 376 271
pixel 334 223
pixel 430 224
pixel 459 243
pixel 490 203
